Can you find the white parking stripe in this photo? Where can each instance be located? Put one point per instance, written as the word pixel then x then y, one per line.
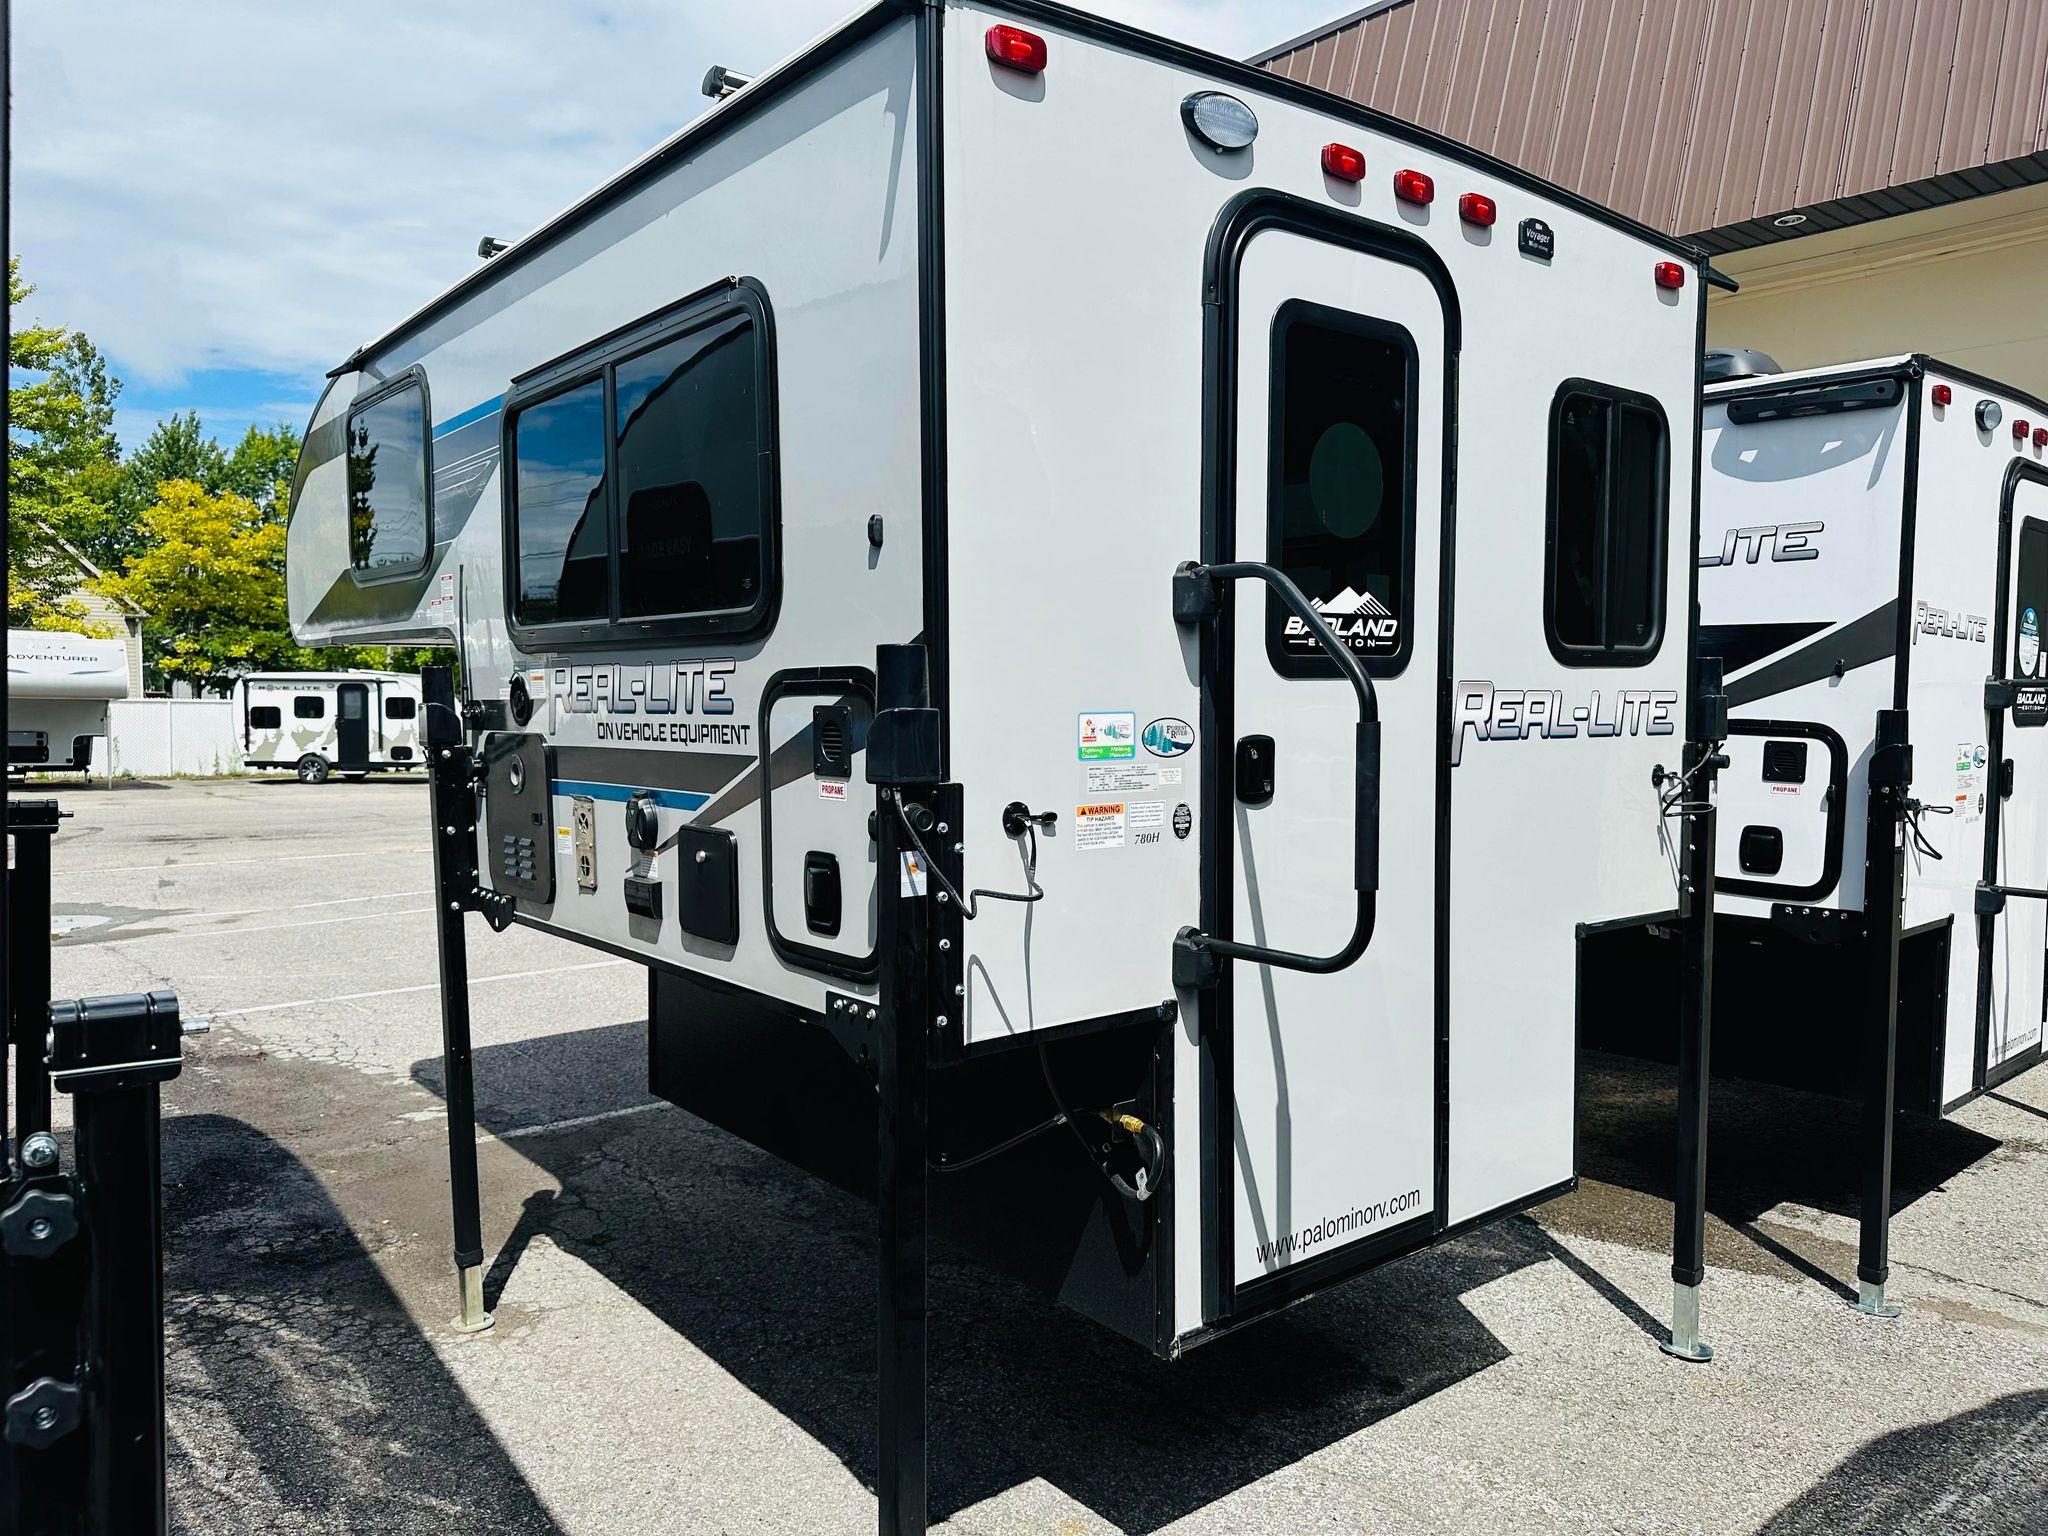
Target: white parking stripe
pixel 226 933
pixel 432 986
pixel 571 1124
pixel 163 868
pixel 299 906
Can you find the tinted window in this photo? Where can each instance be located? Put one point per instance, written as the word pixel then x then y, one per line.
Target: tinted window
pixel 692 510
pixel 387 485
pixel 352 703
pixel 560 532
pixel 400 708
pixel 1604 558
pixel 1341 493
pixel 264 717
pixel 309 707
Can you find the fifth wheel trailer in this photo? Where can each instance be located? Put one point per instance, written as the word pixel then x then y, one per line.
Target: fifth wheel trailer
pixel 1034 577
pixel 1873 578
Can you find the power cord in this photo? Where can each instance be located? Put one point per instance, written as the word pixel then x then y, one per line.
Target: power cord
pixel 969 903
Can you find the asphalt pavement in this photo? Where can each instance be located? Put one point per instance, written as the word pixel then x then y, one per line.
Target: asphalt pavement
pixel 685 1331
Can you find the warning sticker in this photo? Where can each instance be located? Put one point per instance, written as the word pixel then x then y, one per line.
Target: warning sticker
pixel 1128 778
pixel 1103 736
pixel 1099 826
pixel 832 789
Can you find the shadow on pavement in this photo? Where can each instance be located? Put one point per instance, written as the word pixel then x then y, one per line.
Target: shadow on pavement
pixel 772 1274
pixel 1980 1473
pixel 301 1395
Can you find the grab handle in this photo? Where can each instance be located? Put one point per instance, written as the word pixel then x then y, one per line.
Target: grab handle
pixel 1198 597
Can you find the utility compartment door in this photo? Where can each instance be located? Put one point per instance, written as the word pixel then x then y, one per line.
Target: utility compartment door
pixel 1782 800
pixel 1340 402
pixel 2019 856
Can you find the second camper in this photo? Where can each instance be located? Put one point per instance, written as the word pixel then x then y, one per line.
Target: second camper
pixel 322 723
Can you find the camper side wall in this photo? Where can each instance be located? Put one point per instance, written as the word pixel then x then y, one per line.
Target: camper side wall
pixel 1800 582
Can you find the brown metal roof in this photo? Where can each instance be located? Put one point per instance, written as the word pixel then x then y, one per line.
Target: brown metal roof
pixel 1710 117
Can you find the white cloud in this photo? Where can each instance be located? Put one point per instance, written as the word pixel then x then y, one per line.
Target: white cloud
pixel 261 184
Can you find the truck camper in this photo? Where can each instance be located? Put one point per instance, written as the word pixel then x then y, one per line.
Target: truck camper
pixel 1038 580
pixel 1873 576
pixel 59 687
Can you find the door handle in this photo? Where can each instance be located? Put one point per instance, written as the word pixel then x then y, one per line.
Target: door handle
pixel 1198 597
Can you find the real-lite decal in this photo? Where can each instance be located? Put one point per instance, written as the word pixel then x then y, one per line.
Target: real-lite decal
pixel 1487 713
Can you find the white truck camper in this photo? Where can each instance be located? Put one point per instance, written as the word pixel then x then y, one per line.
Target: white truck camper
pixel 1043 580
pixel 59 687
pixel 322 723
pixel 1873 579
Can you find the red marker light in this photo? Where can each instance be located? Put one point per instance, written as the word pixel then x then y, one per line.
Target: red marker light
pixel 2041 437
pixel 1344 162
pixel 1670 274
pixel 2020 429
pixel 1014 48
pixel 1941 394
pixel 1476 208
pixel 1414 187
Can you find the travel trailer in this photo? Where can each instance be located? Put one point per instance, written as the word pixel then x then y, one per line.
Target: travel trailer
pixel 59 687
pixel 1035 577
pixel 1873 578
pixel 321 723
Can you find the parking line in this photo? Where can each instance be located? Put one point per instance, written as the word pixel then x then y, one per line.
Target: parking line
pixel 571 1124
pixel 301 906
pixel 432 986
pixel 160 867
pixel 223 933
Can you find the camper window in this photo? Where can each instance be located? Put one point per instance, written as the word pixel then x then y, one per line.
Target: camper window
pixel 309 706
pixel 399 707
pixel 1605 552
pixel 387 483
pixel 1341 494
pixel 264 717
pixel 641 498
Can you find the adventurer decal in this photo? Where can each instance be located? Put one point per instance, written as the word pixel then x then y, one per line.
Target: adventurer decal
pixel 1168 737
pixel 1515 714
pixel 1942 623
pixel 1785 541
pixel 1357 618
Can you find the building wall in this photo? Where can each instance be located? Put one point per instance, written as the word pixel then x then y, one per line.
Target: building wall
pixel 1967 283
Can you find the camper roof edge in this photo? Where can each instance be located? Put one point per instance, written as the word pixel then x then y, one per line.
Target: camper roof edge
pixel 791 71
pixel 1906 365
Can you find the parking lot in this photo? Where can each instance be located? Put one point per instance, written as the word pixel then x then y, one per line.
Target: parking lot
pixel 685 1337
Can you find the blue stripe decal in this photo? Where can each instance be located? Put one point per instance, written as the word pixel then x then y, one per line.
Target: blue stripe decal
pixel 674 799
pixel 475 413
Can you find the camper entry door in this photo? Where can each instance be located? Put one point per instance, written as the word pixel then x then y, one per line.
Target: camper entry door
pixel 2019 936
pixel 1339 396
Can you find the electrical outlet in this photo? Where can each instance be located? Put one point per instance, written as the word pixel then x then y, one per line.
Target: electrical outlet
pixel 583 817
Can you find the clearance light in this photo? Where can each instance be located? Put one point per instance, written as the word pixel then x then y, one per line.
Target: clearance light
pixel 1219 120
pixel 1669 274
pixel 1414 187
pixel 2020 429
pixel 1014 48
pixel 1476 208
pixel 1941 394
pixel 1344 162
pixel 2041 437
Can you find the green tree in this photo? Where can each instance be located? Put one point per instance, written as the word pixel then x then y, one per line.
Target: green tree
pixel 177 448
pixel 63 466
pixel 261 467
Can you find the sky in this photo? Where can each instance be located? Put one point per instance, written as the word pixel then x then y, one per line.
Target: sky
pixel 228 197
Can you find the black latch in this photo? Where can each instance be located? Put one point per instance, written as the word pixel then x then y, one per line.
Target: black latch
pixel 1253 770
pixel 643 895
pixel 2005 778
pixel 821 893
pixel 1194 963
pixel 1990 900
pixel 1999 693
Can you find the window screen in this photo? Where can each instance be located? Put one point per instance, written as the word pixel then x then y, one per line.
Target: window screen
pixel 264 717
pixel 387 485
pixel 309 707
pixel 1341 497
pixel 400 708
pixel 560 523
pixel 1604 558
pixel 690 481
pixel 643 492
